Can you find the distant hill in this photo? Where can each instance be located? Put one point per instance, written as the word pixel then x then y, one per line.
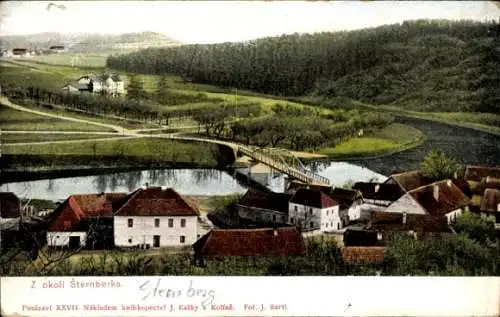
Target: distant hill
pixel 85 42
pixel 425 65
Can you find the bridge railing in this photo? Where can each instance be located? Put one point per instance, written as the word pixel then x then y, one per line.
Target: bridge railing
pixel 305 176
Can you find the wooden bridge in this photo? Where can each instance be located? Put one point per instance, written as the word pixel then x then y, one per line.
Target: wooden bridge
pixel 278 159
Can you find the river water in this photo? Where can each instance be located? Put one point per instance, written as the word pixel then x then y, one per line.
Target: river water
pixel 470 146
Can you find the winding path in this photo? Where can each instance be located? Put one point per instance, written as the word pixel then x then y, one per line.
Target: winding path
pixel 252 152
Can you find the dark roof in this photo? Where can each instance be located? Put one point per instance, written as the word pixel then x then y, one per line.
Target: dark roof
pixel 410 180
pixel 265 200
pixel 392 221
pixel 286 241
pixel 157 201
pixel 294 185
pixel 10 205
pixel 363 255
pixel 376 191
pixel 313 198
pixel 477 173
pixel 345 197
pixel 450 197
pixel 490 200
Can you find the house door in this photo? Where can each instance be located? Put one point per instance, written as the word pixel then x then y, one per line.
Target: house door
pixel 74 242
pixel 156 241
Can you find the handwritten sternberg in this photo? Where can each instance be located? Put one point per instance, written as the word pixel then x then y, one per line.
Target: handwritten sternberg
pixel 154 288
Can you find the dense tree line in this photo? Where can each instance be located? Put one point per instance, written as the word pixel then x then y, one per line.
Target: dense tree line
pixel 425 64
pixel 290 127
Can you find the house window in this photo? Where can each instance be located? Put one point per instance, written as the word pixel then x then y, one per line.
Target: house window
pixel 129 240
pixel 295 208
pixel 157 222
pixel 292 220
pixel 183 239
pixel 274 218
pixel 311 224
pixel 338 226
pixel 310 211
pixel 327 212
pixel 327 224
pixel 130 223
pixel 183 223
pixel 170 223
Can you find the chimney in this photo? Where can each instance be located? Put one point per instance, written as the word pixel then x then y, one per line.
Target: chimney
pixel 404 217
pixel 436 192
pixel 377 187
pixel 449 182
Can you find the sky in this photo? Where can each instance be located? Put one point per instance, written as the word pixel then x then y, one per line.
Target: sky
pixel 219 21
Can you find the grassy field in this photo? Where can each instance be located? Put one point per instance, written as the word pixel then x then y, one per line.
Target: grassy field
pixel 150 150
pixel 18 120
pixel 74 59
pixel 395 137
pixel 11 138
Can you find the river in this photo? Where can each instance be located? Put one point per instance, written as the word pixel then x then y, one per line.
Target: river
pixel 470 146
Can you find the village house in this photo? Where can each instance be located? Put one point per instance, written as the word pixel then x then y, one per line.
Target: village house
pixel 382 225
pixel 490 204
pixel 20 52
pixel 264 207
pixel 10 218
pixel 350 202
pixel 266 242
pixel 85 221
pixel 107 83
pixel 379 194
pixel 475 173
pixel 155 217
pixel 441 198
pixel 312 209
pixel 56 49
pixel 408 180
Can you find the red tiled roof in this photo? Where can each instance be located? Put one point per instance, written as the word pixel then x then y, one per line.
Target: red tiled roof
pixel 286 241
pixel 155 201
pixel 449 198
pixel 313 198
pixel 100 205
pixel 490 200
pixel 410 180
pixel 78 207
pixel 10 205
pixel 265 200
pixel 477 173
pixel 392 221
pixel 363 255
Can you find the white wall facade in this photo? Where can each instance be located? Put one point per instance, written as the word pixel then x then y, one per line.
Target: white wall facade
pixel 326 219
pixel 61 239
pixel 406 204
pixel 143 231
pixel 452 216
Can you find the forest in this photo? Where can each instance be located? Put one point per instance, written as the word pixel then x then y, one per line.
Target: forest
pixel 423 65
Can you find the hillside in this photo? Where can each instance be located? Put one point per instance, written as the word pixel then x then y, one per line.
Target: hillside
pixel 425 65
pixel 85 42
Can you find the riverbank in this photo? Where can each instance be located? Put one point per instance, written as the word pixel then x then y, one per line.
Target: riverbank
pixel 470 120
pixel 392 139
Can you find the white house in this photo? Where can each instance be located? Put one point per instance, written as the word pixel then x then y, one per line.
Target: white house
pixel 155 217
pixel 312 209
pixel 110 84
pixel 440 198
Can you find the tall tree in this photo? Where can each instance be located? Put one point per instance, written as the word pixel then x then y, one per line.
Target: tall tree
pixel 439 166
pixel 135 89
